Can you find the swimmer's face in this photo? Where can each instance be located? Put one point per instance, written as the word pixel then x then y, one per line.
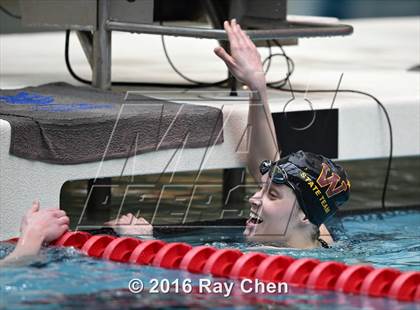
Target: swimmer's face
pixel 272 214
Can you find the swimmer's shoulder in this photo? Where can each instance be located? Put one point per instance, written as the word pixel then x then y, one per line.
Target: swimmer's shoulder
pixel 325 235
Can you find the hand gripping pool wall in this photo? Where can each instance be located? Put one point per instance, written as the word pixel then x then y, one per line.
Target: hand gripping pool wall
pixel 231 263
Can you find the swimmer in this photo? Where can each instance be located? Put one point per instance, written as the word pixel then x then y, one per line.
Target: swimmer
pixel 38 226
pixel 298 193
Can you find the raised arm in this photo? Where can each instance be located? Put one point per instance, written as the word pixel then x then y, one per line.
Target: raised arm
pixel 244 63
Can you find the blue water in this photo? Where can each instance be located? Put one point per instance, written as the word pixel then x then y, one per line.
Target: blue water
pixel 64 278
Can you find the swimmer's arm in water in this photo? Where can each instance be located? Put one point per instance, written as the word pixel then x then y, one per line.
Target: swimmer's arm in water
pixel 25 251
pixel 244 63
pixel 37 226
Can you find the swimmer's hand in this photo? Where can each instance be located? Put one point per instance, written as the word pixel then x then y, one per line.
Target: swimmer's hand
pixel 49 223
pixel 130 225
pixel 244 61
pixel 37 227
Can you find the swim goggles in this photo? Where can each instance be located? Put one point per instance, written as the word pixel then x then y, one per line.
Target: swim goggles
pixel 276 172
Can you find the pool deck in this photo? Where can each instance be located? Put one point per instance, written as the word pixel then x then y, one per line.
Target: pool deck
pixel 375 59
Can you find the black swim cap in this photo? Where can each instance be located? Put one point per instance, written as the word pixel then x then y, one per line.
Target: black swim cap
pixel 321 185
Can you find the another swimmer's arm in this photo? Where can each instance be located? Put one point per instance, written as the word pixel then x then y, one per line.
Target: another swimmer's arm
pixel 245 64
pixel 129 225
pixel 27 247
pixel 37 226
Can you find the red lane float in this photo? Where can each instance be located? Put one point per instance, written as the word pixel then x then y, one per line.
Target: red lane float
pixel 231 263
pixel 95 245
pixel 298 272
pixel 171 254
pixel 246 265
pixel 350 281
pixel 325 275
pixel 221 262
pixel 272 268
pixel 120 249
pixel 405 286
pixel 145 252
pixel 195 259
pixel 417 294
pixel 378 282
pixel 73 238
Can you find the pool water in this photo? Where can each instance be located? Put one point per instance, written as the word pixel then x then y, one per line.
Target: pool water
pixel 65 278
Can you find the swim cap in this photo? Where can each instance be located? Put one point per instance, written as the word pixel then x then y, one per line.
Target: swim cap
pixel 321 185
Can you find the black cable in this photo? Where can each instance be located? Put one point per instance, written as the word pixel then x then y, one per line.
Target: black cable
pixel 204 84
pixel 121 83
pixel 289 62
pixel 290 69
pixel 183 75
pixel 67 60
pixel 7 12
pixel 270 53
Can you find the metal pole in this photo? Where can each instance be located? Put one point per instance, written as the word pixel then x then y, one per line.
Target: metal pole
pixel 86 41
pixel 99 204
pixel 290 30
pixel 101 75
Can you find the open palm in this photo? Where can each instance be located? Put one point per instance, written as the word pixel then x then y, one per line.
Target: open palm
pixel 244 62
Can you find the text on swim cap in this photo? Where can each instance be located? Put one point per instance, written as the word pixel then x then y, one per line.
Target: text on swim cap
pixel 316 190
